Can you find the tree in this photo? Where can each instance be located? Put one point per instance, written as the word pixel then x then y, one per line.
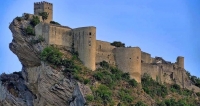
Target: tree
pixel 35 21
pixel 44 15
pixel 118 44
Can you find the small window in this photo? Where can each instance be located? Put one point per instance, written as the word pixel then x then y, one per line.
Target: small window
pixel 90 33
pixel 129 58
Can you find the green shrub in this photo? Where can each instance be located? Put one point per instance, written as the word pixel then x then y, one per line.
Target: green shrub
pixel 104 64
pixel 44 15
pixel 19 18
pixel 176 86
pixel 29 30
pixel 104 93
pixel 126 76
pixel 98 76
pixel 118 44
pixel 53 22
pixel 52 55
pixel 125 96
pixel 140 103
pixel 133 82
pixel 152 87
pixel 90 98
pixel 27 16
pixel 86 81
pixel 35 21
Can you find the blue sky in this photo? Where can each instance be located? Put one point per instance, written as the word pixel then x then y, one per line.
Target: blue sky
pixel 165 28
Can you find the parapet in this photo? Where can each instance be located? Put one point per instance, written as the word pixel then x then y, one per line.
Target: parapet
pixel 43 2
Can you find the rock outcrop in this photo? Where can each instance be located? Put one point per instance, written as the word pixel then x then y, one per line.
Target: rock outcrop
pixel 38 84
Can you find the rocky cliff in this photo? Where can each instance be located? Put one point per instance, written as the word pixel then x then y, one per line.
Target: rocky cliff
pixel 38 84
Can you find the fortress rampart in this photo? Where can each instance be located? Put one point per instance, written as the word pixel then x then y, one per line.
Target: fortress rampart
pixel 92 52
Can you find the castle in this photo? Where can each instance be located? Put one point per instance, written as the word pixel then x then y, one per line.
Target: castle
pixel 92 52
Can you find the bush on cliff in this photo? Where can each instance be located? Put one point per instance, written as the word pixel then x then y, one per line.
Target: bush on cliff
pixel 35 21
pixel 52 55
pixel 19 18
pixel 29 30
pixel 104 93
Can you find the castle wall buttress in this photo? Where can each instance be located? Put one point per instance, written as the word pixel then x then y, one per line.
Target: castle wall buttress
pixel 84 39
pixel 129 60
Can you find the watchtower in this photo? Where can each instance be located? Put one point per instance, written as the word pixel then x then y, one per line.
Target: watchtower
pixel 180 61
pixel 44 7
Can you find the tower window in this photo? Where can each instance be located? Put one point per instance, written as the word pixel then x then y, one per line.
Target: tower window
pixel 90 33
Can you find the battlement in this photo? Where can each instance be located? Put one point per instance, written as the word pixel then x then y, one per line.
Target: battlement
pixel 43 6
pixel 43 2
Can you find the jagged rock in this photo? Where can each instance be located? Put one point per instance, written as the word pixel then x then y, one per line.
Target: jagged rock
pixel 38 84
pixel 20 46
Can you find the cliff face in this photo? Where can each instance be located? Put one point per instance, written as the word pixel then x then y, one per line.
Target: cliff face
pixel 38 84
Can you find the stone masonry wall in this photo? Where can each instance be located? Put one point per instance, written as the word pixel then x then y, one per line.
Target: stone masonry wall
pixel 146 57
pixel 104 52
pixel 60 35
pixel 85 43
pixel 129 60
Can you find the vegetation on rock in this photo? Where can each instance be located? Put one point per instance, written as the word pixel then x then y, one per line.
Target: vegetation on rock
pixel 19 18
pixel 29 30
pixel 35 21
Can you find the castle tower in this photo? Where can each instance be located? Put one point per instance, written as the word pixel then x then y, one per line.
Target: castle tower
pixel 129 60
pixel 84 39
pixel 44 7
pixel 180 61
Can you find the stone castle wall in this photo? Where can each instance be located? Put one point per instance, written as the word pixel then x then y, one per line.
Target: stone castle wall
pixel 54 34
pixel 85 43
pixel 129 60
pixel 104 52
pixel 146 57
pixel 92 51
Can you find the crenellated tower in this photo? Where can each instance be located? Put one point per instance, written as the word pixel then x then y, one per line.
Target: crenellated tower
pixel 44 7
